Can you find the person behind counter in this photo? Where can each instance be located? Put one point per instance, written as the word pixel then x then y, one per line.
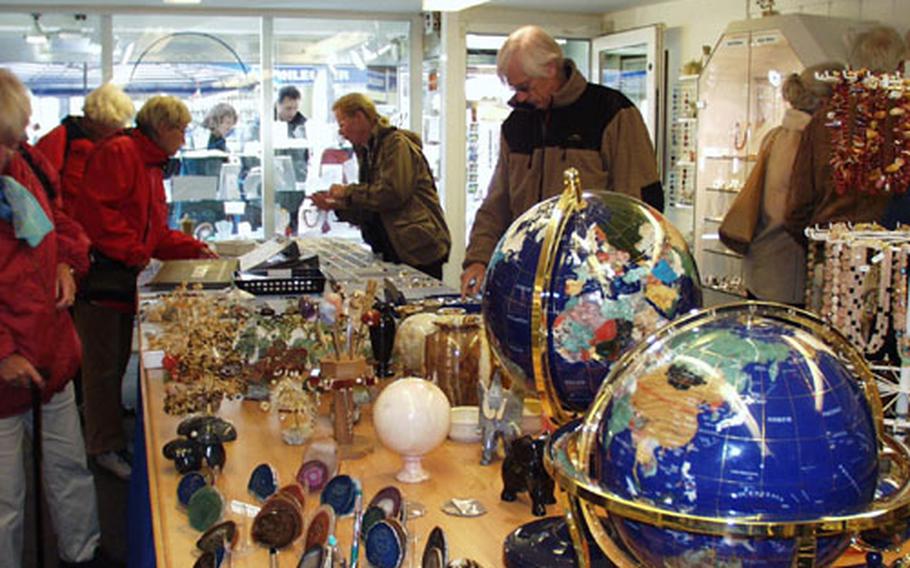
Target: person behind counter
pixel 125 215
pixel 395 201
pixel 107 109
pixel 559 121
pixel 39 348
pixel 287 109
pixel 220 119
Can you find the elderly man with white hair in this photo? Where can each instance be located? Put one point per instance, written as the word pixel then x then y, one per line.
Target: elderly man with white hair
pixel 559 121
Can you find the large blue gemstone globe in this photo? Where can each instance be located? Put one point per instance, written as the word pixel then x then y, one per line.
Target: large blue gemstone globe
pixel 611 271
pixel 736 415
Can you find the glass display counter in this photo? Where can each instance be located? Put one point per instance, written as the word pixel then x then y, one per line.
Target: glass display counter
pixel 739 103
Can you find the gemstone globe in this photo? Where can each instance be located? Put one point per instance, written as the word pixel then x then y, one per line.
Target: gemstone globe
pixel 739 413
pixel 606 270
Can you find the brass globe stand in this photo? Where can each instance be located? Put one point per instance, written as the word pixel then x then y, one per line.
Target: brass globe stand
pixel 580 218
pixel 591 504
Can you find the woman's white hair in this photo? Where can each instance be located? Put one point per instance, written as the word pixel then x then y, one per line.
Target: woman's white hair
pixel 109 105
pixel 534 48
pixel 880 50
pixel 15 108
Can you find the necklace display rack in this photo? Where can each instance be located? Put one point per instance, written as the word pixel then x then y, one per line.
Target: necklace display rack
pixel 857 281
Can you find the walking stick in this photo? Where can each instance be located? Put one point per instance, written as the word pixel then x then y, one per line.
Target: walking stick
pixel 36 471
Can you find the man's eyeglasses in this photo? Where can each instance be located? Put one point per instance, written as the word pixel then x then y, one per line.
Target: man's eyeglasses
pixel 522 87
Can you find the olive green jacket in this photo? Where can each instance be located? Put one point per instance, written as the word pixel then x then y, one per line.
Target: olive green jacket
pixel 396 185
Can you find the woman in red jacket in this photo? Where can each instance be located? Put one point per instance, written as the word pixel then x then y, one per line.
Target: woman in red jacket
pixel 40 249
pixel 107 109
pixel 123 210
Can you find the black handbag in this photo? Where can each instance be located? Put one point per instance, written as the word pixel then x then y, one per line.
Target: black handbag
pixel 108 279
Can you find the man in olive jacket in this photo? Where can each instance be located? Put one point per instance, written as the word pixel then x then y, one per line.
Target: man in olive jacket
pixel 559 121
pixel 395 201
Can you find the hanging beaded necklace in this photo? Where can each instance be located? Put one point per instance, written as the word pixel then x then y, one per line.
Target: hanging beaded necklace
pixel 882 263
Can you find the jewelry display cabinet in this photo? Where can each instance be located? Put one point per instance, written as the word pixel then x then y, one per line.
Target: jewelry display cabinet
pixel 739 103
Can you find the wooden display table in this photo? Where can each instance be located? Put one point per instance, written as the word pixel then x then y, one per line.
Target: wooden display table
pixel 455 470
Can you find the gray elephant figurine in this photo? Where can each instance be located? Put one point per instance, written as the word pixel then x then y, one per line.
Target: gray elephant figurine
pixel 523 470
pixel 500 416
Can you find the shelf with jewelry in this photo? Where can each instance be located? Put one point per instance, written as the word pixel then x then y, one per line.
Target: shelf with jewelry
pixel 857 280
pixel 681 154
pixel 739 103
pixel 680 176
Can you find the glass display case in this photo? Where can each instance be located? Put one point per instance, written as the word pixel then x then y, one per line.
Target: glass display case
pixel 679 175
pixel 739 103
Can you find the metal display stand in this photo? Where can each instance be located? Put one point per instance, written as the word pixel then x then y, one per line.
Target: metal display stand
pixel 825 278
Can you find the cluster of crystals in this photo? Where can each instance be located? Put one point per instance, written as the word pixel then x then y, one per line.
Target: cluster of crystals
pixel 347 317
pixel 197 334
pixel 870 128
pixel 296 406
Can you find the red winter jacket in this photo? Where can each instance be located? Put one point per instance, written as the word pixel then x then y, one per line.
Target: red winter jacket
pixel 122 205
pixel 67 147
pixel 30 324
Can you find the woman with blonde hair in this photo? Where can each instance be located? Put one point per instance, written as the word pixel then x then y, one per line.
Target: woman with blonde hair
pixel 107 109
pixel 124 212
pixel 775 265
pixel 394 203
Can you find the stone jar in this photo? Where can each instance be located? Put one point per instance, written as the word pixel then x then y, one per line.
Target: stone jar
pixel 457 357
pixel 409 343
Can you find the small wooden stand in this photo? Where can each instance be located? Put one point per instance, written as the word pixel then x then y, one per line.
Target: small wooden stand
pixel 340 376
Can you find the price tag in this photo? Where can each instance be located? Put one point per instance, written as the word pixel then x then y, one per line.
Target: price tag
pixel 245 509
pixel 234 207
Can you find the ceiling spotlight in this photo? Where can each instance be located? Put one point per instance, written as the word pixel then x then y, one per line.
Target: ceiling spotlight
pixel 35 35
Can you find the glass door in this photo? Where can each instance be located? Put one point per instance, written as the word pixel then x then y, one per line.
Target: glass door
pixel 631 62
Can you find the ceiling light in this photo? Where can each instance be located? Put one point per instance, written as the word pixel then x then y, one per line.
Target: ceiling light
pixel 35 35
pixel 450 5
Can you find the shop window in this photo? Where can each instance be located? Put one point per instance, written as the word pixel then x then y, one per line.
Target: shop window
pixel 211 64
pixel 58 57
pixel 323 60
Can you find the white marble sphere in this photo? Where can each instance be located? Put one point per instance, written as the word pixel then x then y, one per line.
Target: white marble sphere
pixel 411 418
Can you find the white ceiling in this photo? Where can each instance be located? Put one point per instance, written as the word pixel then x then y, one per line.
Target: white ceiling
pixel 408 6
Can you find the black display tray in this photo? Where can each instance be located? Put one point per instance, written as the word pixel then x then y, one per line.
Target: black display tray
pixel 310 281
